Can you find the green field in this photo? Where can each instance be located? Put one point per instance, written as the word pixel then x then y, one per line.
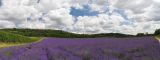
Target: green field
pixel 158 37
pixel 9 39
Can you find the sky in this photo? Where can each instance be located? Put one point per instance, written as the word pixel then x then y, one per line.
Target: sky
pixel 82 16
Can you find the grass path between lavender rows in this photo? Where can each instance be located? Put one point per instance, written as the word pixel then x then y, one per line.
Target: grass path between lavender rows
pixel 4 45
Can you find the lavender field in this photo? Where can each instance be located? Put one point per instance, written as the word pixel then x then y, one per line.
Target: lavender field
pixel 136 48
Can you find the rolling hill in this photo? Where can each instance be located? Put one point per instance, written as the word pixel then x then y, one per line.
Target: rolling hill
pixel 6 37
pixel 59 33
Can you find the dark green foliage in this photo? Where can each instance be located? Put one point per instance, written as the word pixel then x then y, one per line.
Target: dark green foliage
pixel 157 32
pixel 14 38
pixel 140 34
pixel 59 33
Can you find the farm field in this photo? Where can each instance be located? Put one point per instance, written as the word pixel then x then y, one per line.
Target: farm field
pixel 135 48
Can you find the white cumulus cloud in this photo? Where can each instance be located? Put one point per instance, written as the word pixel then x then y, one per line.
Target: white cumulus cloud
pixel 114 16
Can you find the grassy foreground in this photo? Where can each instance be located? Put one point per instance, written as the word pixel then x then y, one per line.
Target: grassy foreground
pixel 158 37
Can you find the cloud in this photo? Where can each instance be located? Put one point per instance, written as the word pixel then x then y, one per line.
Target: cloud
pixel 102 23
pixel 6 24
pixel 100 16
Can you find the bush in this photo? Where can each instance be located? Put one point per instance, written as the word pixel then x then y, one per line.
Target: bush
pixel 157 32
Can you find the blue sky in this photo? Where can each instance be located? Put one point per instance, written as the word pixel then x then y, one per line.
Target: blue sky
pixel 86 11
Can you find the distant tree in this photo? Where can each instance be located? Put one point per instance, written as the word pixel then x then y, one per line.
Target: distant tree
pixel 157 32
pixel 14 28
pixel 146 33
pixel 140 34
